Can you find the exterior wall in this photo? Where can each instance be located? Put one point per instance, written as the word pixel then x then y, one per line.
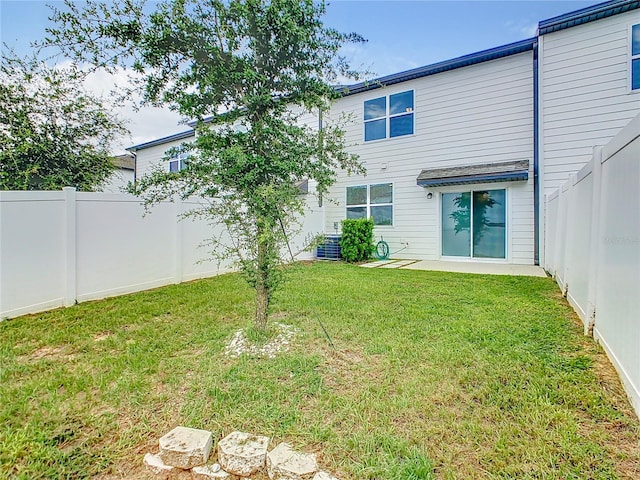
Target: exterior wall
pixel 118 181
pixel 584 93
pixel 473 115
pixel 148 157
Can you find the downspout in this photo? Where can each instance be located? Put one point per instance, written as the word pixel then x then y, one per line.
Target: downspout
pixel 135 168
pixel 536 154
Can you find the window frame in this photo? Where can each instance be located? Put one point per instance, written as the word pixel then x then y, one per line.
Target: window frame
pixel 368 203
pixel 179 160
pixel 375 119
pixel 633 57
pixel 388 116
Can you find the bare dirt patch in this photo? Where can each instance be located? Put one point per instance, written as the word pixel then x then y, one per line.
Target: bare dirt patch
pixel 102 336
pixel 48 353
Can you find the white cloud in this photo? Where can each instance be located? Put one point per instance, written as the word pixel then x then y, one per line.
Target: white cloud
pixel 524 28
pixel 145 123
pixel 369 59
pixel 530 30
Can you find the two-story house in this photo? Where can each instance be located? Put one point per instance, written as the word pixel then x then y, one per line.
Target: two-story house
pixel 460 154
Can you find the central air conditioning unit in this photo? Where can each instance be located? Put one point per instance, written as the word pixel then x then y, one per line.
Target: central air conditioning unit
pixel 330 249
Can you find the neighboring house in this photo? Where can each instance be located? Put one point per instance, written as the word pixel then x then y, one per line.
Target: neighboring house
pixel 460 154
pixel 154 153
pixel 123 175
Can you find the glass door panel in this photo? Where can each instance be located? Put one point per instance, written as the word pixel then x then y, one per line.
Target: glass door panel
pixel 456 222
pixel 489 228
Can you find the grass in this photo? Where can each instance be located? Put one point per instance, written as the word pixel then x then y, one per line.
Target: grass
pixel 433 375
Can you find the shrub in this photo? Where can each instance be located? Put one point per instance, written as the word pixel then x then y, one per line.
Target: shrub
pixel 357 239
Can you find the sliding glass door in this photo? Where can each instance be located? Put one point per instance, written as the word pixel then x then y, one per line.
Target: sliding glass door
pixel 474 224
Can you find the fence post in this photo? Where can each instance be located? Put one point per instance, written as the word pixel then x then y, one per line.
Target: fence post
pixel 592 285
pixel 549 228
pixel 70 246
pixel 178 210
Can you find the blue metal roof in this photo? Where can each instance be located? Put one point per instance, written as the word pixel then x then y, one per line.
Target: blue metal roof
pixel 585 15
pixel 464 61
pixel 561 22
pixel 160 141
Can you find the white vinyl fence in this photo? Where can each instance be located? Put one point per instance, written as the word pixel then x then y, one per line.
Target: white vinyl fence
pixel 593 250
pixel 59 248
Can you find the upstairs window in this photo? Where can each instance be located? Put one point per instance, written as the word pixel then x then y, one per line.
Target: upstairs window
pixel 371 201
pixel 179 162
pixel 635 57
pixel 388 116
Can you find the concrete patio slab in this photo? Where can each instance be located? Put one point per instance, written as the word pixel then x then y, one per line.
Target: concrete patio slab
pixel 479 268
pixel 377 264
pixel 399 264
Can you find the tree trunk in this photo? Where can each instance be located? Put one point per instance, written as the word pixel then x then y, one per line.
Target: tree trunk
pixel 262 287
pixel 262 304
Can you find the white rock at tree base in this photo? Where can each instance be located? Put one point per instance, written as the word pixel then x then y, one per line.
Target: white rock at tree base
pixel 242 453
pixel 186 447
pixel 284 463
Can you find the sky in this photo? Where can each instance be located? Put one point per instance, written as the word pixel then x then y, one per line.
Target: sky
pixel 400 35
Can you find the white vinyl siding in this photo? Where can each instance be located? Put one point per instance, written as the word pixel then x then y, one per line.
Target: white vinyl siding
pixel 584 93
pixel 147 157
pixel 118 181
pixel 472 115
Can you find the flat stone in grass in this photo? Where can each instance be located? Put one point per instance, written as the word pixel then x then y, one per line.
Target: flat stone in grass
pixel 323 476
pixel 210 472
pixel 284 463
pixel 242 453
pixel 155 464
pixel 186 447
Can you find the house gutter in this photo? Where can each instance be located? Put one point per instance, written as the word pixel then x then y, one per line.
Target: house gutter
pixel 135 168
pixel 536 156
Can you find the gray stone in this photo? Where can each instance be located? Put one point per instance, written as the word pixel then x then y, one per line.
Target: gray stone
pixel 242 453
pixel 155 464
pixel 284 463
pixel 323 476
pixel 210 472
pixel 186 447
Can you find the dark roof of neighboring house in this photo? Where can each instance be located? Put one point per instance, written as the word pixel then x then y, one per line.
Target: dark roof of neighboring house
pixel 125 161
pixel 464 61
pixel 160 141
pixel 488 172
pixel 585 15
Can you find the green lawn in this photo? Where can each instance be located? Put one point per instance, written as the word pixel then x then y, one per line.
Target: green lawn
pixel 433 375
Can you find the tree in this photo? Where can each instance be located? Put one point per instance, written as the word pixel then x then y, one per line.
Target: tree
pixel 53 133
pixel 246 71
